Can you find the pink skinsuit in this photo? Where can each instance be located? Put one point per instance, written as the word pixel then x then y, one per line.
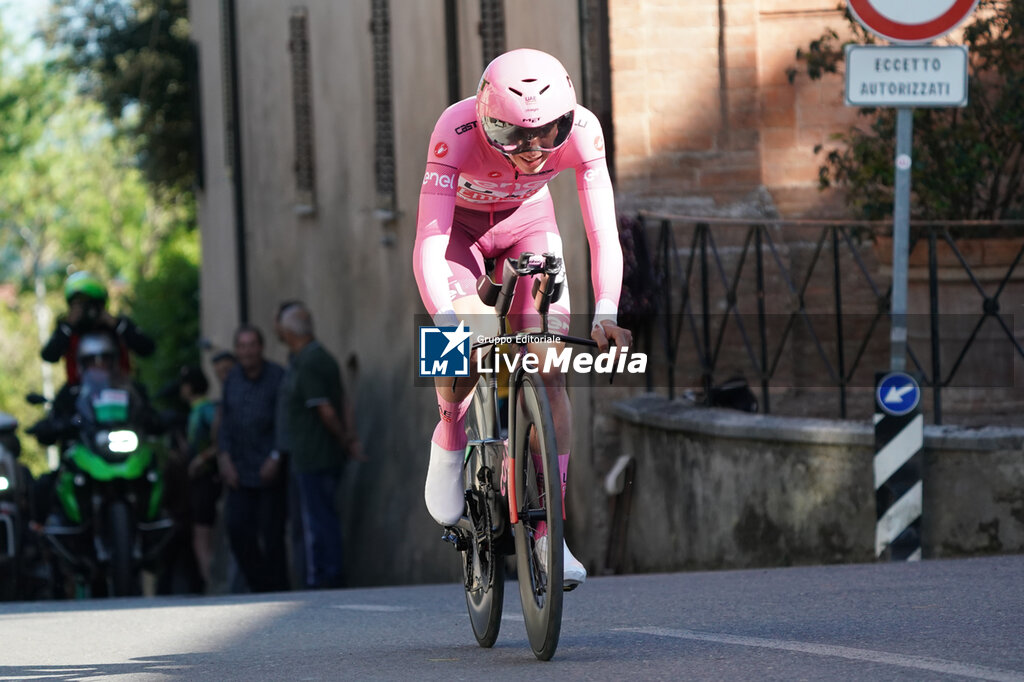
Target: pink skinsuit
pixel 474 204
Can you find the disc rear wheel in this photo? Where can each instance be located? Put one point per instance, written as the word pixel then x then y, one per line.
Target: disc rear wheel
pixel 483 566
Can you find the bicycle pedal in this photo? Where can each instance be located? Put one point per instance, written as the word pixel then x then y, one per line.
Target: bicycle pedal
pixel 456 538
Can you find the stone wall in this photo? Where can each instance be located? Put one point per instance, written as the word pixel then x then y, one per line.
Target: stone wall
pixel 718 488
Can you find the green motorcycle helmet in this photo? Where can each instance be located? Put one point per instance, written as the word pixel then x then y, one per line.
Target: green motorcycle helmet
pixel 86 284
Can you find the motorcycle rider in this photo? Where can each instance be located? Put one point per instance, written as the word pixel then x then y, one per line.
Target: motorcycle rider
pixel 97 362
pixel 87 299
pixel 97 357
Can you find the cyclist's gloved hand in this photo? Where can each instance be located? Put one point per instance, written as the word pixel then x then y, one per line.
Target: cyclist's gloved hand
pixel 607 332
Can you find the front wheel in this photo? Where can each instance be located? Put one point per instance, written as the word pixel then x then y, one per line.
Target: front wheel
pixel 483 562
pixel 538 495
pixel 122 577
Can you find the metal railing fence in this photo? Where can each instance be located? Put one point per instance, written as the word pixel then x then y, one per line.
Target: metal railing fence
pixel 778 283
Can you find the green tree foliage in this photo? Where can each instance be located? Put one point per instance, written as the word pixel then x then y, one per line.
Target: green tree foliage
pixel 136 59
pixel 74 197
pixel 26 101
pixel 20 367
pixel 968 163
pixel 166 306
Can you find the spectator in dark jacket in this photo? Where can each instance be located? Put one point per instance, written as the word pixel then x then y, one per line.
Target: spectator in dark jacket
pixel 255 509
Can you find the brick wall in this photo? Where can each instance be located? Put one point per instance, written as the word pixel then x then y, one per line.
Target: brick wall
pixel 703 107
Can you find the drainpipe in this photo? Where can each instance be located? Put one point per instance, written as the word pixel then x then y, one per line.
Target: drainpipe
pixel 231 19
pixel 451 31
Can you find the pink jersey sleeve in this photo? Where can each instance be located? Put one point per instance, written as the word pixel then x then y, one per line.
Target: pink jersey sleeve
pixel 434 220
pixel 597 203
pixel 433 226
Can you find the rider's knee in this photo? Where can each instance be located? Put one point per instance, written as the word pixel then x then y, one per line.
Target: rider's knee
pixel 554 381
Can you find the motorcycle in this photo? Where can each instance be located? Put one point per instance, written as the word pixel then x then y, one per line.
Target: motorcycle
pixel 108 520
pixel 15 505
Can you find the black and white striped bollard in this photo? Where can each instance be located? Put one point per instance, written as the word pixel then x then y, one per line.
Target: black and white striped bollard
pixel 898 467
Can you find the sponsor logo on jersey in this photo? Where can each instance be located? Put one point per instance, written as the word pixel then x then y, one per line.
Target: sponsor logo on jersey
pixel 440 149
pixel 477 196
pixel 479 191
pixel 599 143
pixel 592 175
pixel 439 180
pixel 465 128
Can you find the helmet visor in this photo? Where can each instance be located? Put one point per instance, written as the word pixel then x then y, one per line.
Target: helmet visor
pixel 513 139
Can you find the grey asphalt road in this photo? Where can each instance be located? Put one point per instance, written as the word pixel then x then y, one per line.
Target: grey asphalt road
pixel 933 620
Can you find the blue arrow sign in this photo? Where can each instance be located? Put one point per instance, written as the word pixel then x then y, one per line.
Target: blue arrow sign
pixel 898 393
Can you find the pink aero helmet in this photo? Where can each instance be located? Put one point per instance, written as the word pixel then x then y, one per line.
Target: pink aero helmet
pixel 525 102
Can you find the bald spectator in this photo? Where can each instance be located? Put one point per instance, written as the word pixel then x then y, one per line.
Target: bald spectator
pixel 322 436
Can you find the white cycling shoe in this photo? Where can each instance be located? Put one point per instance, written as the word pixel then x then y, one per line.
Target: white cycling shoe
pixel 573 572
pixel 444 492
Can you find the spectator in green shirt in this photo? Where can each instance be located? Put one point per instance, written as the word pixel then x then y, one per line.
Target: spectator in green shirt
pixel 322 436
pixel 205 485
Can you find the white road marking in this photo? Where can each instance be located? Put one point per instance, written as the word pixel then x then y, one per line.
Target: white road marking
pixel 977 672
pixel 372 607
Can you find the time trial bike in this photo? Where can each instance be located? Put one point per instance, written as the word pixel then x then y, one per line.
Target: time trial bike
pixel 512 478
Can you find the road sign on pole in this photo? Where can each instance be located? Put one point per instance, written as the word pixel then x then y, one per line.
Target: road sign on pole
pixel 906 21
pixel 908 80
pixel 897 394
pixel 901 76
pixel 911 21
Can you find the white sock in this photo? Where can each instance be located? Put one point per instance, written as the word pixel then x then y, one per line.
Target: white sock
pixel 444 491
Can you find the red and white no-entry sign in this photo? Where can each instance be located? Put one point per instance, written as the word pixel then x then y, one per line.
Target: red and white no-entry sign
pixel 911 21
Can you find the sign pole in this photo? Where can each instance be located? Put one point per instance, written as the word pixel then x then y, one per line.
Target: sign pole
pixel 903 77
pixel 901 238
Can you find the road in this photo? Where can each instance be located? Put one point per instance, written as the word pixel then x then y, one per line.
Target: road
pixel 933 620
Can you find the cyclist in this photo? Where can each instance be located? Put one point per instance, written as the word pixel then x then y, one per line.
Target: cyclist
pixel 485 195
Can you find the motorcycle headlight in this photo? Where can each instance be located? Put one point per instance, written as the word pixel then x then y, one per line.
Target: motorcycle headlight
pixel 120 442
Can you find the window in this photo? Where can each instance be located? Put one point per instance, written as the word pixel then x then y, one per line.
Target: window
pixel 302 106
pixel 492 28
pixel 227 79
pixel 384 135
